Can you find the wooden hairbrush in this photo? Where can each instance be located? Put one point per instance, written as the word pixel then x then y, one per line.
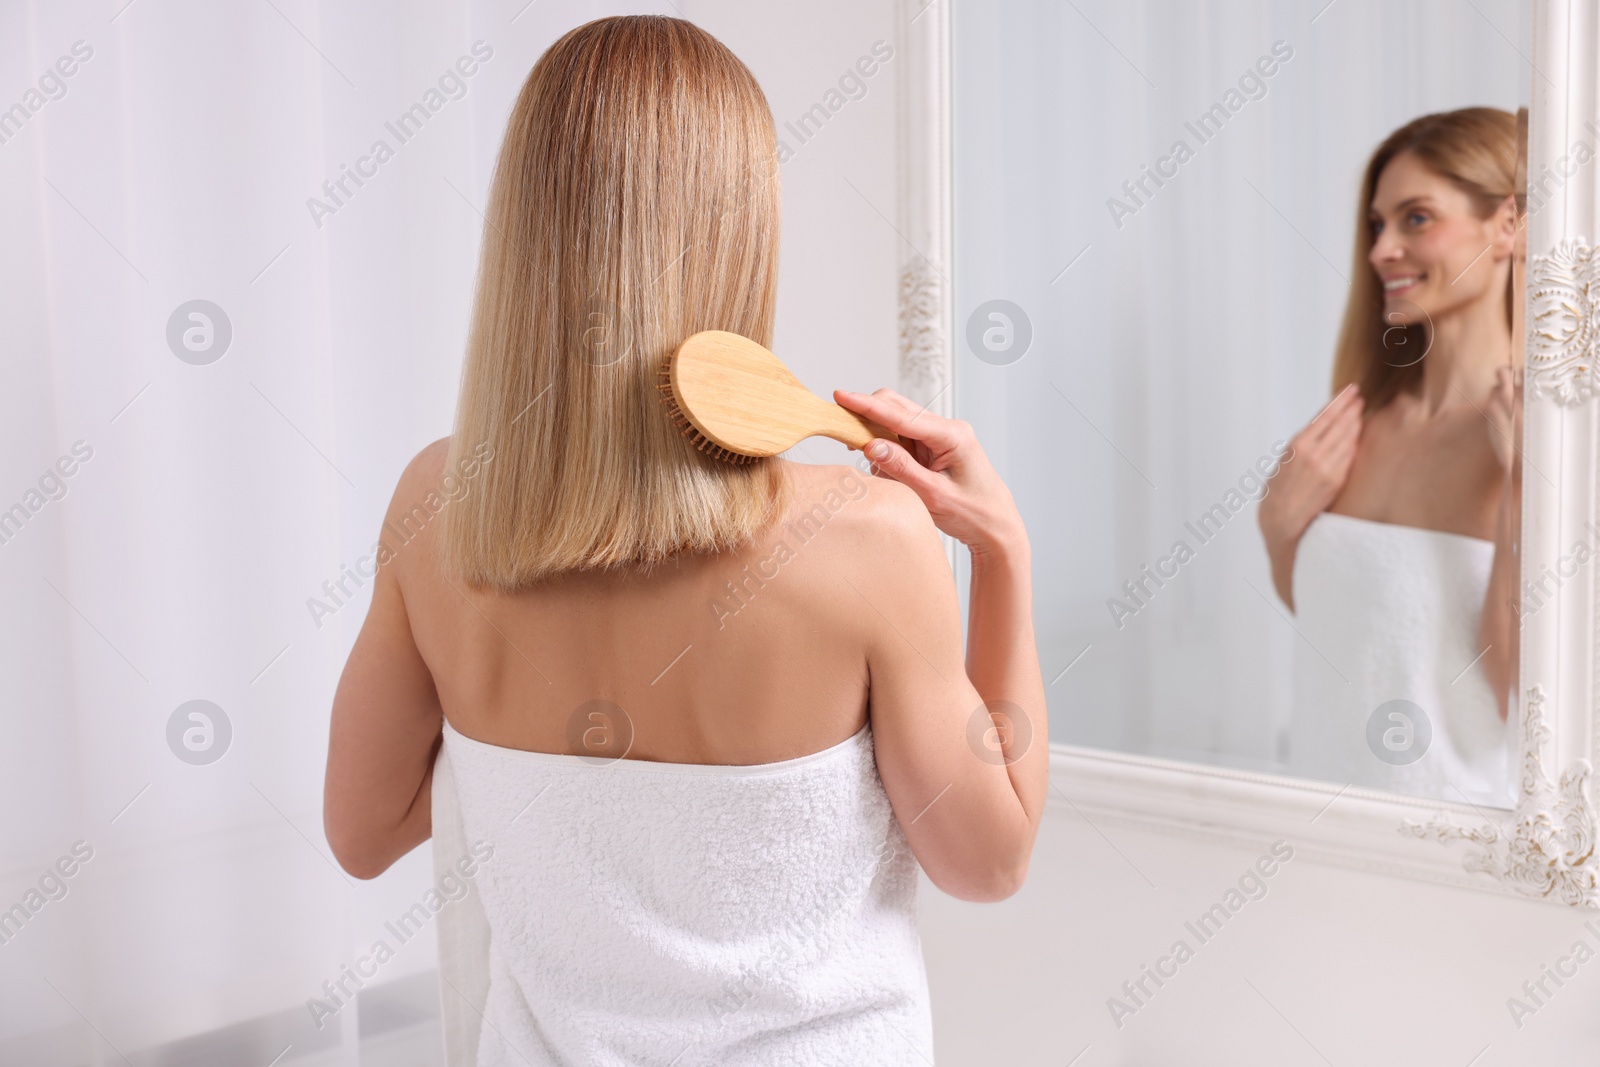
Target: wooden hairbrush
pixel 738 402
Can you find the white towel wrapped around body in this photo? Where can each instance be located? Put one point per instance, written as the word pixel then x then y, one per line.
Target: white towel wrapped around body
pixel 636 912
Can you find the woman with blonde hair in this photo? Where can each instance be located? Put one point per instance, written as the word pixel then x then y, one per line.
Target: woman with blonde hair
pixel 682 731
pixel 1388 526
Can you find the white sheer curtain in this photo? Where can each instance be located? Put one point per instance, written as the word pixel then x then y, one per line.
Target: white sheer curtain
pixel 219 494
pixel 1173 344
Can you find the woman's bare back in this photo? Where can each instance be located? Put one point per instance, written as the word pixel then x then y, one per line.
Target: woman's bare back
pixel 736 658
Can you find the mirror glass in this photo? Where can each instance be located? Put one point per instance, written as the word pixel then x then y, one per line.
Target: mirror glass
pixel 1181 231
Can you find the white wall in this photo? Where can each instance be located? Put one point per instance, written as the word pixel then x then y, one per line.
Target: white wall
pixel 1368 969
pixel 837 318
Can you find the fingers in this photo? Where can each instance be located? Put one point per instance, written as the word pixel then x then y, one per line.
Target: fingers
pixel 1505 386
pixel 1346 405
pixel 1344 425
pixel 1336 423
pixel 900 465
pixel 1343 398
pixel 1339 441
pixel 1341 456
pixel 1502 395
pixel 908 419
pixel 1323 454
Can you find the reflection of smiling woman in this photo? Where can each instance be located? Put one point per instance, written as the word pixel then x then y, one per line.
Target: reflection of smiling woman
pixel 1388 530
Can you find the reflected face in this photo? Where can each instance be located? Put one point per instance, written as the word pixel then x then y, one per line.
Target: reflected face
pixel 1432 253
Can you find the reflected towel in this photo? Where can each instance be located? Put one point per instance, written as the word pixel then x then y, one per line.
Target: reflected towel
pixel 1391 612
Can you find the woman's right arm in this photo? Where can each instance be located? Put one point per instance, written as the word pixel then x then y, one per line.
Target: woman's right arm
pixel 961 742
pixel 1322 455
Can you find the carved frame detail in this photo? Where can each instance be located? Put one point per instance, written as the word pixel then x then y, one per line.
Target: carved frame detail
pixel 1549 849
pixel 1563 323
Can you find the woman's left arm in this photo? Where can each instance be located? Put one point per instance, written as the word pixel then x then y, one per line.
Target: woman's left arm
pixel 386 713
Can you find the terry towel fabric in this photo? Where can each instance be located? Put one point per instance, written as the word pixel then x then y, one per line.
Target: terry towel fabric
pixel 1387 613
pixel 634 912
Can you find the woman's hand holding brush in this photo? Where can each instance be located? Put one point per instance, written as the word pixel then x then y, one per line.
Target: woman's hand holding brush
pixel 948 470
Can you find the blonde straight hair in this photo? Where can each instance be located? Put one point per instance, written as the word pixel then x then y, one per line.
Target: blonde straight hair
pixel 634 202
pixel 1476 148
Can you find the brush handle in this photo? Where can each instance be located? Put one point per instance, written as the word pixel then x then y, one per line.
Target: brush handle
pixel 850 429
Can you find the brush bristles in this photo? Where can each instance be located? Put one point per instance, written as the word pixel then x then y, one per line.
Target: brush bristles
pixel 688 429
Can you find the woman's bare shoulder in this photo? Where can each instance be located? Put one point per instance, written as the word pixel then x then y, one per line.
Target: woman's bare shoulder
pixel 422 471
pixel 879 514
pixel 426 471
pixel 420 494
pixel 841 485
pixel 428 464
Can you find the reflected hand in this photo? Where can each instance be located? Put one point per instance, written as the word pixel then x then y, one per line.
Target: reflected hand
pixel 1309 479
pixel 946 467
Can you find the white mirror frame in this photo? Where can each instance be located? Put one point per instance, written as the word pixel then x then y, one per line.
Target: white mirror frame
pixel 1544 849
